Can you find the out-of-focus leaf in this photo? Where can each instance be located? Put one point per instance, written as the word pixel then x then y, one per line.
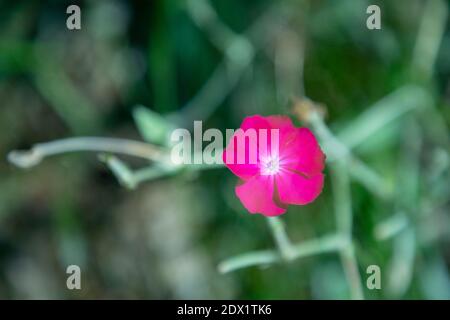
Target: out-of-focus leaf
pixel 153 127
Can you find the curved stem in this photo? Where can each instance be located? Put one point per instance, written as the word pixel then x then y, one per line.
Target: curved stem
pixel 328 243
pixel 32 157
pixel 256 258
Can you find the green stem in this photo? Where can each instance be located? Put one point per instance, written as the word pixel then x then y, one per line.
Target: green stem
pixel 390 108
pixel 344 221
pixel 324 244
pixel 342 198
pixel 239 52
pixel 255 258
pixel 391 227
pixel 329 243
pixel 429 38
pixel 32 157
pixel 337 151
pixel 348 259
pixel 132 178
pixel 280 236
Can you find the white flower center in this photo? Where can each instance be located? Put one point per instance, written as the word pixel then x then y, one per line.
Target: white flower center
pixel 270 166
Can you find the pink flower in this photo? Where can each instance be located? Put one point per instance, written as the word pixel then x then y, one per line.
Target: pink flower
pixel 288 174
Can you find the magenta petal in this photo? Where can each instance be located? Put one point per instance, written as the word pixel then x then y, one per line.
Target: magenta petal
pixel 280 122
pixel 286 173
pixel 301 152
pixel 245 170
pixel 296 189
pixel 255 122
pixel 257 196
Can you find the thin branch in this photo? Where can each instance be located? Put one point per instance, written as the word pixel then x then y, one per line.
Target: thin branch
pixel 337 151
pixel 206 18
pixel 344 220
pixel 280 236
pixel 329 243
pixel 239 53
pixel 382 113
pixel 350 265
pixel 429 38
pixel 391 227
pixel 323 244
pixel 131 179
pixel 255 258
pixel 32 157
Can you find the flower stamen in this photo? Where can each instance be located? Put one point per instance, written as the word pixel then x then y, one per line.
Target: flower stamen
pixel 270 166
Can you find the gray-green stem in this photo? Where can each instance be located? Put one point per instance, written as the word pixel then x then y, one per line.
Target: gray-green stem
pixel 281 238
pixel 33 156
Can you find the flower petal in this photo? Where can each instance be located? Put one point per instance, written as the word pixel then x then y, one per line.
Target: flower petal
pixel 297 189
pixel 300 151
pixel 245 170
pixel 257 196
pixel 280 122
pixel 255 122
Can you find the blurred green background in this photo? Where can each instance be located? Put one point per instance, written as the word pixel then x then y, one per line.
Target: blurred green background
pixel 219 61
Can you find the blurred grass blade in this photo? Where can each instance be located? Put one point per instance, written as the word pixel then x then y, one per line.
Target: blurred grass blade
pixel 382 113
pixel 391 226
pixel 429 38
pixel 68 100
pixel 401 267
